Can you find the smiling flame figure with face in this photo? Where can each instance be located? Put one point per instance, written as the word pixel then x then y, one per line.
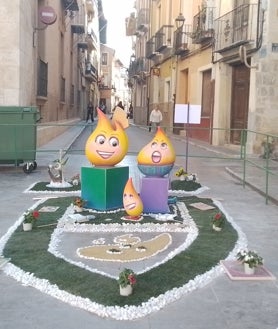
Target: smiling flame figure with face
pixel 106 146
pixel 132 202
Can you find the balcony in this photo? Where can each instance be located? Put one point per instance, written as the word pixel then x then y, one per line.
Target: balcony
pixel 143 20
pixel 150 48
pixel 82 45
pixel 91 40
pixel 70 5
pixel 138 66
pixel 237 27
pixel 203 26
pixel 77 28
pixel 163 38
pixel 130 25
pixel 90 8
pixel 181 36
pixel 91 72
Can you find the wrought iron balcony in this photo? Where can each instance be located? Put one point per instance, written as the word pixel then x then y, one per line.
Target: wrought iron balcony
pixel 203 26
pixel 237 27
pixel 91 40
pixel 78 28
pixel 137 67
pixel 181 36
pixel 91 72
pixel 150 48
pixel 163 38
pixel 143 19
pixel 70 5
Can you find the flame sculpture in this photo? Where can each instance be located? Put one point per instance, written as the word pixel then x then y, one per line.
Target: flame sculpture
pixel 107 145
pixel 132 202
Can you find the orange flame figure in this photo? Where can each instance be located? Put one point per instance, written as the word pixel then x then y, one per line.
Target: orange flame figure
pixel 159 151
pixel 106 146
pixel 132 202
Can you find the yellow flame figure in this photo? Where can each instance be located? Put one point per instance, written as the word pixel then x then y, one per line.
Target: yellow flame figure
pixel 132 202
pixel 106 146
pixel 159 151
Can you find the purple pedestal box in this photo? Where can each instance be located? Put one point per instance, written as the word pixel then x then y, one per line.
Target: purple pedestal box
pixel 154 194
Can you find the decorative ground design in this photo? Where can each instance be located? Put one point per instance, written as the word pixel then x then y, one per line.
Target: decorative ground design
pixel 37 259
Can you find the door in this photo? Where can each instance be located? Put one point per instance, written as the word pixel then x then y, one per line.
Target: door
pixel 240 101
pixel 203 131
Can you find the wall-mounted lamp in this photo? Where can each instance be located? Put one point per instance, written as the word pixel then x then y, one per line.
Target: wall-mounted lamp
pixel 180 21
pixel 132 58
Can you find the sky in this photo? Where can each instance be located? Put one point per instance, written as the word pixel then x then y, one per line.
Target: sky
pixel 115 11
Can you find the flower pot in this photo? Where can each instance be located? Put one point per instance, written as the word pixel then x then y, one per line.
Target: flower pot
pixel 126 291
pixel 182 178
pixel 27 226
pixel 77 209
pixel 216 228
pixel 248 270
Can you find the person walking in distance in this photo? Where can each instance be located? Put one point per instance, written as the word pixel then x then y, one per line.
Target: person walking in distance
pixel 90 112
pixel 155 117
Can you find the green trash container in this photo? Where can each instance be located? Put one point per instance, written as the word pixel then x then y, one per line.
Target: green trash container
pixel 18 136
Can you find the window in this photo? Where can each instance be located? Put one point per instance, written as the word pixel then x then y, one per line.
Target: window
pixel 42 79
pixel 72 95
pixel 104 57
pixel 63 90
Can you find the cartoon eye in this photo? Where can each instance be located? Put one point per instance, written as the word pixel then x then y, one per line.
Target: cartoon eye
pixel 164 146
pixel 100 139
pixel 131 195
pixel 125 195
pixel 154 144
pixel 113 141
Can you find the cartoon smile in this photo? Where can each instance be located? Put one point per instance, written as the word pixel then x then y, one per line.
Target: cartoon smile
pixel 105 155
pixel 131 206
pixel 156 157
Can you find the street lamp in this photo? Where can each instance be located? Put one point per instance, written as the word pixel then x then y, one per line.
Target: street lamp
pixel 180 21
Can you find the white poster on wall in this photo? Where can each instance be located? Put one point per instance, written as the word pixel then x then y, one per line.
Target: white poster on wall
pixel 187 113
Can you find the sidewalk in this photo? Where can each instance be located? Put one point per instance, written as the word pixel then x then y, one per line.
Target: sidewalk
pixel 222 304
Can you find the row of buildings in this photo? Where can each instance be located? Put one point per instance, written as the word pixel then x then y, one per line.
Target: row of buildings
pixel 54 56
pixel 217 55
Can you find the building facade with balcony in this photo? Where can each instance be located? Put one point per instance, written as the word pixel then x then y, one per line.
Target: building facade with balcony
pixel 220 55
pixel 106 86
pixel 54 67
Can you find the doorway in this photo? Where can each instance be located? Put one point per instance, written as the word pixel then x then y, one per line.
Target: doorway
pixel 240 101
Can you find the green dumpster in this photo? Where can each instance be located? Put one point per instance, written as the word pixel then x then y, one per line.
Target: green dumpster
pixel 18 136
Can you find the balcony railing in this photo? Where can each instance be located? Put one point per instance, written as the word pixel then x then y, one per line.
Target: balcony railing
pixel 203 25
pixel 143 19
pixel 137 67
pixel 150 48
pixel 237 27
pixel 91 72
pixel 181 36
pixel 70 5
pixel 163 38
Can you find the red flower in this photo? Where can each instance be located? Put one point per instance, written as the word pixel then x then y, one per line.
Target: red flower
pixel 131 278
pixel 218 216
pixel 36 214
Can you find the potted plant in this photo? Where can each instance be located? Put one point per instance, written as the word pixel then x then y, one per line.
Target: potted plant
pixel 181 173
pixel 218 221
pixel 78 204
pixel 250 259
pixel 127 279
pixel 30 218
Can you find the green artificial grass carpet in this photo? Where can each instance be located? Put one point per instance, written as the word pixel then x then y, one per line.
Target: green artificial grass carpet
pixel 28 251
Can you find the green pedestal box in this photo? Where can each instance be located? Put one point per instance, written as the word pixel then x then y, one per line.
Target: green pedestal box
pixel 102 187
